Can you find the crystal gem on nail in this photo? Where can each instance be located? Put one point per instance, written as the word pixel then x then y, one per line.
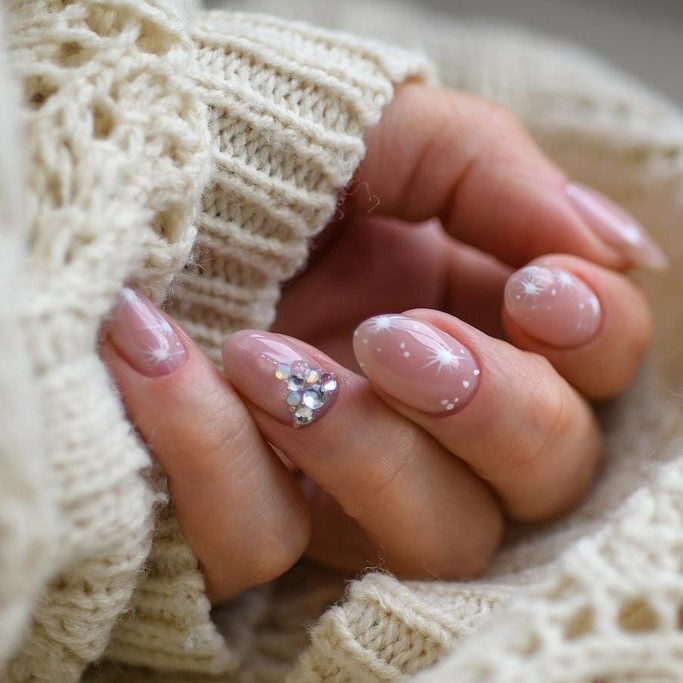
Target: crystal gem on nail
pixel 307 390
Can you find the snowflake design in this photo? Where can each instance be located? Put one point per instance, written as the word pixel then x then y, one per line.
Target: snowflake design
pixel 161 354
pixel 444 358
pixel 382 323
pixel 565 280
pixel 531 285
pixel 632 235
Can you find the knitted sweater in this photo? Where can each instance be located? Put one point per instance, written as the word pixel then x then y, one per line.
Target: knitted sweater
pixel 194 156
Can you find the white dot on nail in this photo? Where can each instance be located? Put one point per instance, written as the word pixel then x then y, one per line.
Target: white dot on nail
pixel 476 373
pixel 406 354
pixel 365 341
pixel 554 292
pixel 466 384
pixel 450 406
pixel 378 349
pixel 403 345
pixel 444 402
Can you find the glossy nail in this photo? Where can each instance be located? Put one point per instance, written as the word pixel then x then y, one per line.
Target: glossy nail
pixel 616 227
pixel 279 377
pixel 417 363
pixel 144 337
pixel 553 305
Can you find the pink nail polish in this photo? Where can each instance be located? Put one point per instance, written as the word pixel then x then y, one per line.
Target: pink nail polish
pixel 144 337
pixel 417 363
pixel 280 378
pixel 553 305
pixel 616 227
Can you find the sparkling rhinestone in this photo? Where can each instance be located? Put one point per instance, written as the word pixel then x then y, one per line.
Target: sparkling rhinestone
pixel 294 399
pixel 328 383
pixel 296 382
pixel 303 416
pixel 312 377
pixel 313 399
pixel 282 371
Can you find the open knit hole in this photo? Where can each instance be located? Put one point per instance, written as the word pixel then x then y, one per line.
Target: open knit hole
pixel 72 54
pixel 104 21
pixel 637 616
pixel 565 587
pixel 37 92
pixel 580 624
pixel 166 224
pixel 152 39
pixel 102 121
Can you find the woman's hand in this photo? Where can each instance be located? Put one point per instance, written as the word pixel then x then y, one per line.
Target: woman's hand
pixel 470 413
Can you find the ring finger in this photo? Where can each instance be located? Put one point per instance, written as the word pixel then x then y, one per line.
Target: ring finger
pixel 423 510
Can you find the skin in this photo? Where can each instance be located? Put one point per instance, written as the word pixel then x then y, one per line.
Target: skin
pixel 463 198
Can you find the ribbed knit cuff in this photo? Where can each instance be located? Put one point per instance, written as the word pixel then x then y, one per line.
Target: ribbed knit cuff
pixel 288 105
pixel 386 630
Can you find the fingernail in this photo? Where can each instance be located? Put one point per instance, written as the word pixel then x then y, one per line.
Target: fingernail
pixel 417 363
pixel 616 227
pixel 279 377
pixel 144 337
pixel 553 305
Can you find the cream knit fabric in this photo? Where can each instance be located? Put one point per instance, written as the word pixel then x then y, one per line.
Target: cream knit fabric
pixel 154 139
pixel 121 148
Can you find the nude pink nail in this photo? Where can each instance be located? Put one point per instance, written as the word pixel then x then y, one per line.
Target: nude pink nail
pixel 417 363
pixel 553 305
pixel 144 337
pixel 274 373
pixel 616 227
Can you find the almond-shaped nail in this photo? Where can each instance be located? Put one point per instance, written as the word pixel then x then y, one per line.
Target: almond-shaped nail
pixel 553 306
pixel 278 376
pixel 616 227
pixel 143 337
pixel 417 363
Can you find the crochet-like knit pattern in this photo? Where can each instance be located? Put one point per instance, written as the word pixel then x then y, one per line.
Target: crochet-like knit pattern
pixel 158 142
pixel 154 138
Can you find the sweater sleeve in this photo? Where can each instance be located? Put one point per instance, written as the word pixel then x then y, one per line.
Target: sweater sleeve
pixel 287 107
pixel 151 144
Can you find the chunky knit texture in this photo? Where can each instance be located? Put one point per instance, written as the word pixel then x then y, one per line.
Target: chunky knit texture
pixel 132 112
pixel 112 198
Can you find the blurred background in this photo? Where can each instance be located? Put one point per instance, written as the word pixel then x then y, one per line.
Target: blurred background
pixel 642 37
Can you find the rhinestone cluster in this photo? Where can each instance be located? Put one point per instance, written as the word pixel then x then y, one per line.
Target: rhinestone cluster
pixel 307 390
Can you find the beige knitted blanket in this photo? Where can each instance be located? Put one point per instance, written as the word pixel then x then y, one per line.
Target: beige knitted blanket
pixel 163 145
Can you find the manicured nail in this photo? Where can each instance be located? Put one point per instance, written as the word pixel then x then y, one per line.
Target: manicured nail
pixel 144 337
pixel 417 363
pixel 279 377
pixel 616 227
pixel 553 305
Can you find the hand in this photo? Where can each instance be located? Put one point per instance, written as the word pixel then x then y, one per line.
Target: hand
pixel 416 468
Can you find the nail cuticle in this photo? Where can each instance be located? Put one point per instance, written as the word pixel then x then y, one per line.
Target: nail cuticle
pixel 144 338
pixel 615 226
pixel 554 306
pixel 288 384
pixel 418 364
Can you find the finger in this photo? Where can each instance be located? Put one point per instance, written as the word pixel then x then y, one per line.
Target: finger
pixel 471 163
pixel 424 511
pixel 240 510
pixel 592 324
pixel 377 264
pixel 475 287
pixel 505 412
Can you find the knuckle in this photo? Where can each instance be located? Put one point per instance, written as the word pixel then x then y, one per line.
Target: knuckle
pixel 279 546
pixel 550 419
